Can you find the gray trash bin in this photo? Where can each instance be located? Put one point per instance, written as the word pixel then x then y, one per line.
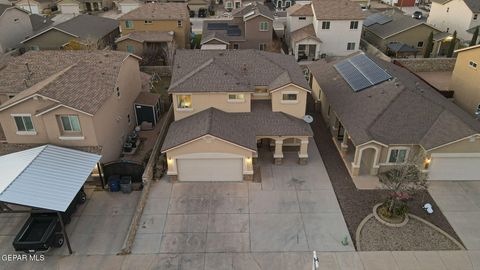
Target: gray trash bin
pixel 126 184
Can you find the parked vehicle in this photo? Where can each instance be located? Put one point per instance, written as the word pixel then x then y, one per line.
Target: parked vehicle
pixel 43 231
pixel 202 13
pixel 417 15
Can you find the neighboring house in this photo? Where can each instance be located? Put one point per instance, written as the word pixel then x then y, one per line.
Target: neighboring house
pixel 39 22
pixel 381 115
pixel 250 28
pixel 455 15
pixel 159 17
pixel 465 82
pixel 148 44
pixel 195 5
pixel 125 6
pixel 283 4
pixel 226 103
pixel 16 26
pixel 35 6
pixel 79 99
pixel 324 28
pixel 80 6
pixel 401 3
pixel 85 30
pixel 401 35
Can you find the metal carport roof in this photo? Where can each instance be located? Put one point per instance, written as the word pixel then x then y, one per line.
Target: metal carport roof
pixel 47 177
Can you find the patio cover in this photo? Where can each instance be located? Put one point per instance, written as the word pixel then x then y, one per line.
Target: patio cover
pixel 47 177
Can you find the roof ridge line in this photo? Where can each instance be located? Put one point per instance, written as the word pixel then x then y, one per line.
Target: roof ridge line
pixel 191 73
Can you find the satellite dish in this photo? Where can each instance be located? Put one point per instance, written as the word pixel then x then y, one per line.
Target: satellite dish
pixel 308 119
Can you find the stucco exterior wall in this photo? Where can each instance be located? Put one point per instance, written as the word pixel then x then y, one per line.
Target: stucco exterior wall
pixel 296 109
pixel 411 37
pixel 254 37
pixel 458 18
pixel 466 81
pixel 16 26
pixel 467 145
pixel 138 46
pixel 51 40
pixel 202 101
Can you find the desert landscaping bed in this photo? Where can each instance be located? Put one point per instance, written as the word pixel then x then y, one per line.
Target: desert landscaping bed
pixel 357 204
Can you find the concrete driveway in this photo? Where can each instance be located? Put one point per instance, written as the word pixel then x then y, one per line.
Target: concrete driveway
pixel 293 209
pixel 460 203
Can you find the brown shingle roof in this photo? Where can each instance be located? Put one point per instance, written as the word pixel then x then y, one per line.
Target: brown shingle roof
pixel 158 12
pixel 303 33
pixel 237 128
pixel 337 10
pixel 300 10
pixel 473 5
pixel 148 36
pixel 404 110
pixel 233 71
pixel 147 98
pixel 83 80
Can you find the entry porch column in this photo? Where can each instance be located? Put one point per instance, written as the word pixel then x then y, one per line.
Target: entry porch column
pixel 303 153
pixel 344 144
pixel 278 155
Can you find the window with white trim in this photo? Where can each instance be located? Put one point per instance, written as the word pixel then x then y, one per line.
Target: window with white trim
pixel 326 25
pixel 398 155
pixel 236 97
pixel 262 46
pixel 24 123
pixel 147 22
pixel 302 18
pixel 420 44
pixel 350 46
pixel 354 25
pixel 179 23
pixel 475 16
pixel 128 24
pixel 184 101
pixel 289 97
pixel 70 123
pixel 472 64
pixel 263 26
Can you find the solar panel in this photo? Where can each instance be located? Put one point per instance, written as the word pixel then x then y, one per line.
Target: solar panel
pixel 233 30
pixel 376 18
pixel 360 72
pixel 217 26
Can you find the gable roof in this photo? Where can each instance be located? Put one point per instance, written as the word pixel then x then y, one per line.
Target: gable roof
pixel 404 110
pixel 252 10
pixel 233 70
pixel 158 12
pixel 219 30
pixel 4 8
pixel 300 10
pixel 148 36
pixel 83 27
pixel 468 48
pixel 337 10
pixel 307 31
pixel 82 80
pixel 39 22
pixel 261 121
pixel 397 24
pixel 473 5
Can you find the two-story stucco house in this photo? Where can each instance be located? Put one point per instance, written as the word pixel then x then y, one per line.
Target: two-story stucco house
pixel 250 28
pixel 159 17
pixel 455 15
pixel 16 26
pixel 226 104
pixel 324 28
pixel 465 82
pixel 78 99
pixel 381 115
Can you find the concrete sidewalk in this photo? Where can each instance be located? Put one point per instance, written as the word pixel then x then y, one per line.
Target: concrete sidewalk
pixel 399 260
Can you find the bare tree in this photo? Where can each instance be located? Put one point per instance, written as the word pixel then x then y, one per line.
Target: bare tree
pixel 89 44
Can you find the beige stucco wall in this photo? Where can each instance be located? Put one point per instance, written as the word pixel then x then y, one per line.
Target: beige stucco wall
pixel 466 145
pixel 254 36
pixel 466 80
pixel 138 46
pixel 202 101
pixel 13 32
pixel 296 109
pixel 111 121
pixel 51 40
pixel 182 34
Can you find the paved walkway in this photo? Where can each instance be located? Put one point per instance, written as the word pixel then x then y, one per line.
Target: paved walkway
pixel 460 203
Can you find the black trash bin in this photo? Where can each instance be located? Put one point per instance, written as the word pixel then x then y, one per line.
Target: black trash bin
pixel 126 184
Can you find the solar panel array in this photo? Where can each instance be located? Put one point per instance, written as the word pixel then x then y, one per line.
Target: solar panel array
pixel 360 72
pixel 217 26
pixel 233 30
pixel 376 18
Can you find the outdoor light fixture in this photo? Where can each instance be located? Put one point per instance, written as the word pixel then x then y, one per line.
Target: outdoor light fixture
pixel 427 162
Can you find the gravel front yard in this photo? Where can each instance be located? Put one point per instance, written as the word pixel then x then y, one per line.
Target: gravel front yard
pixel 415 235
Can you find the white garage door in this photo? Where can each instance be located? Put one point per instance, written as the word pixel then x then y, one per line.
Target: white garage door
pixel 69 9
pixel 454 168
pixel 214 47
pixel 125 8
pixel 210 169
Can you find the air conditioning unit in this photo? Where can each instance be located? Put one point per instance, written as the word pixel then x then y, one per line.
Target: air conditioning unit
pixel 323 55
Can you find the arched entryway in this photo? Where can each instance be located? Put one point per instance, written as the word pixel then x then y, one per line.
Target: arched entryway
pixel 368 161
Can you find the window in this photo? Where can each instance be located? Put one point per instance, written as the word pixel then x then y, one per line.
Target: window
pixel 11 96
pixel 117 90
pixel 24 123
pixel 70 123
pixel 147 22
pixel 235 46
pixel 262 46
pixel 184 101
pixel 325 25
pixel 236 97
pixel 448 29
pixel 448 9
pixel 129 24
pixel 350 46
pixel 475 16
pixel 302 18
pixel 420 44
pixel 179 23
pixel 472 64
pixel 128 118
pixel 354 25
pixel 289 97
pixel 398 155
pixel 229 4
pixel 263 26
pixel 130 49
pixel 238 5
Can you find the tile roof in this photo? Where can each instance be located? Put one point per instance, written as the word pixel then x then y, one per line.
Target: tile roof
pixel 398 24
pixel 300 10
pixel 39 22
pixel 3 8
pixel 233 71
pixel 404 110
pixel 158 12
pixel 256 8
pixel 473 5
pixel 238 128
pixel 83 80
pixel 221 34
pixel 337 10
pixel 303 33
pixel 148 36
pixel 147 98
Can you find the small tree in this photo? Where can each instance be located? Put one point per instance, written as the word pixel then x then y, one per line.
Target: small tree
pixel 429 47
pixel 453 42
pixel 473 42
pixel 402 183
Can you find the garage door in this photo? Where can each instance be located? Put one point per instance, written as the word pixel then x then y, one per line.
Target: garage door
pixel 210 169
pixel 454 168
pixel 214 47
pixel 69 9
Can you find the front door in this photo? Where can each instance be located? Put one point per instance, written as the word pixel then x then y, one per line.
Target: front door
pixel 340 131
pixel 88 6
pixel 311 51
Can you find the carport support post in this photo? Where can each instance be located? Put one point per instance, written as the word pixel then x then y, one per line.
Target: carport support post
pixel 65 233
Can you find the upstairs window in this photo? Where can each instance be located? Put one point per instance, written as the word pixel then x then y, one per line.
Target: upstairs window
pixel 326 25
pixel 472 64
pixel 263 26
pixel 302 18
pixel 70 123
pixel 448 9
pixel 179 23
pixel 184 101
pixel 289 97
pixel 420 44
pixel 129 24
pixel 24 123
pixel 147 22
pixel 117 90
pixel 398 155
pixel 236 97
pixel 262 46
pixel 350 46
pixel 475 16
pixel 354 25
